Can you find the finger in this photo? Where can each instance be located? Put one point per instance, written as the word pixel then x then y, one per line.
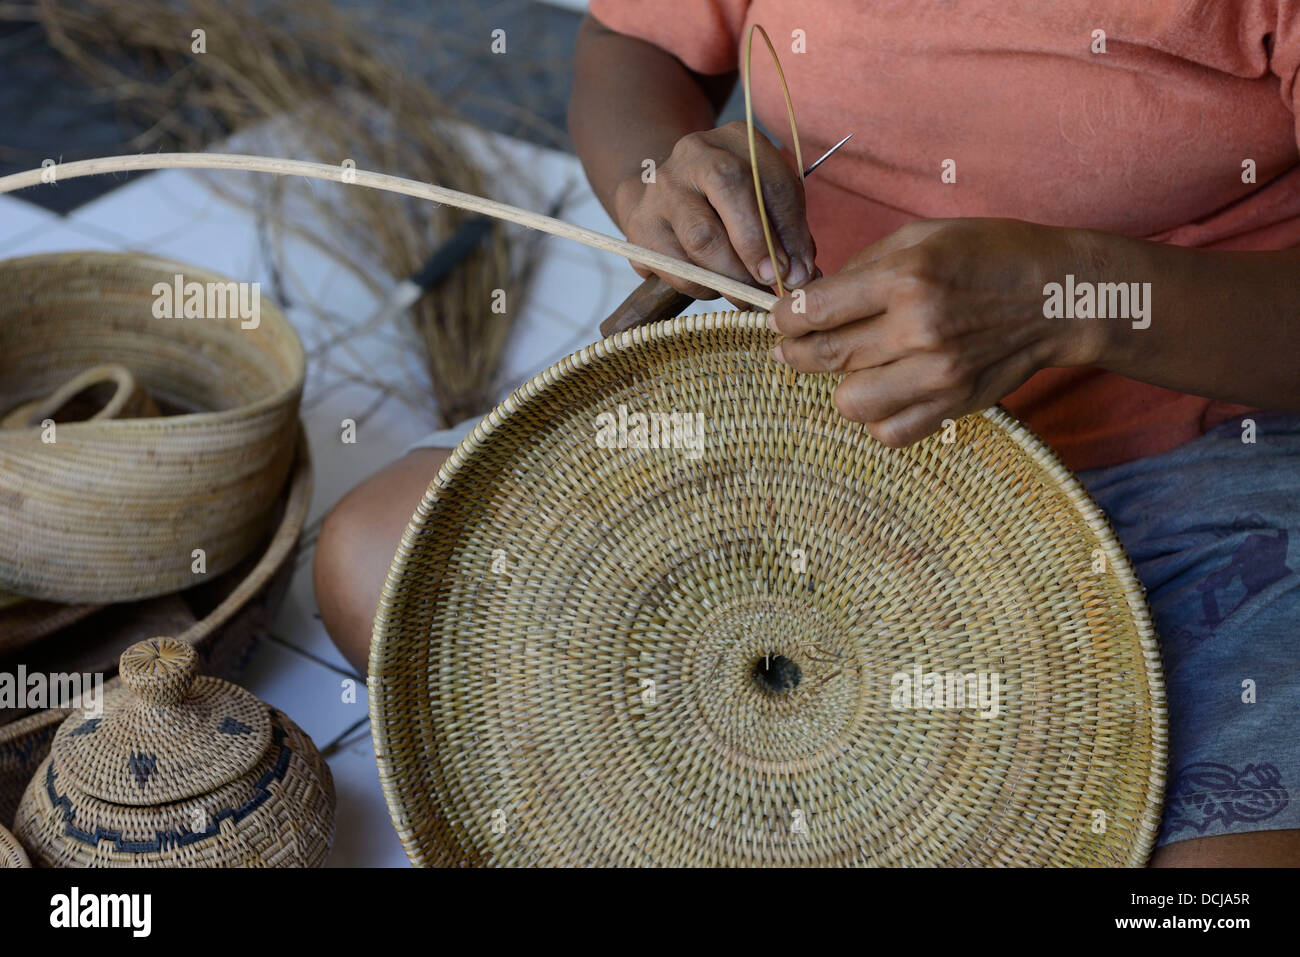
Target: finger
pixel 704 238
pixel 915 422
pixel 873 395
pixel 784 200
pixel 911 424
pixel 659 237
pixel 833 301
pixel 859 345
pixel 727 183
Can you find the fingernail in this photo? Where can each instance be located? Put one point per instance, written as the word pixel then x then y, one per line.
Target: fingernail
pixel 771 322
pixel 765 271
pixel 777 354
pixel 798 274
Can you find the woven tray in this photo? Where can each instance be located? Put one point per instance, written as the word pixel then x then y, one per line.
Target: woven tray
pixel 234 611
pixel 596 655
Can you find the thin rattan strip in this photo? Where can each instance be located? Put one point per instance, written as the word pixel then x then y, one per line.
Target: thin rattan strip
pixel 430 830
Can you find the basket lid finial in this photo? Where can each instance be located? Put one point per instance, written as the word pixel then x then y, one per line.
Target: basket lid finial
pixel 159 671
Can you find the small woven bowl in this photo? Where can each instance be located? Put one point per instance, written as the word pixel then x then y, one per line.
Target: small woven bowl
pixel 717 651
pixel 113 509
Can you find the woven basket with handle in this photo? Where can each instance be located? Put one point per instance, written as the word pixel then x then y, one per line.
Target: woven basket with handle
pixel 115 509
pixel 609 640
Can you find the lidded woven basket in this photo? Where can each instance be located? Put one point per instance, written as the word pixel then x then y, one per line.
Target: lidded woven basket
pixel 11 852
pixel 666 606
pixel 180 770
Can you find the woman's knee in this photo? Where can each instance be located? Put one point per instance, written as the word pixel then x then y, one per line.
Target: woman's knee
pixel 356 545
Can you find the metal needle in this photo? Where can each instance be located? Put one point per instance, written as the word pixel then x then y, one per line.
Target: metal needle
pixel 825 156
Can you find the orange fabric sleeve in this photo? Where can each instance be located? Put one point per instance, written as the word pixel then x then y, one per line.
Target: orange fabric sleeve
pixel 703 34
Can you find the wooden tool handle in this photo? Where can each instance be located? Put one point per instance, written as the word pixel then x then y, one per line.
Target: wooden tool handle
pixel 651 301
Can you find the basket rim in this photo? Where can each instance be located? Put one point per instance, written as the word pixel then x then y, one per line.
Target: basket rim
pixel 107 428
pixel 554 377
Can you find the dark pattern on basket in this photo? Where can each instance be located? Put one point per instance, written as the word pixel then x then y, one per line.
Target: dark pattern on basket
pixel 183 770
pixel 233 726
pixel 142 766
pixel 174 838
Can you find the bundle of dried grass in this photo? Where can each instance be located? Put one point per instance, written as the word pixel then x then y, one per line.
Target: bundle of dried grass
pixel 198 70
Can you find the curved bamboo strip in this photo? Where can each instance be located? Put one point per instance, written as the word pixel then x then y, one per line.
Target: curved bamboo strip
pixel 395 184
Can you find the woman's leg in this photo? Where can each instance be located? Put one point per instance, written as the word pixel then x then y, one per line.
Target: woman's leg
pixel 1251 849
pixel 357 543
pixel 1213 528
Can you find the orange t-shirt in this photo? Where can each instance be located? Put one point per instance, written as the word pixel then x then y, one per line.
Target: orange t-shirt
pixel 1147 139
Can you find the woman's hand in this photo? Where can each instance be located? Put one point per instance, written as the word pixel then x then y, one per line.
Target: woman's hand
pixel 701 207
pixel 941 318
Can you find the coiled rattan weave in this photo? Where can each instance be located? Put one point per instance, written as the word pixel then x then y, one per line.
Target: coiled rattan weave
pixel 11 852
pixel 593 654
pixel 115 510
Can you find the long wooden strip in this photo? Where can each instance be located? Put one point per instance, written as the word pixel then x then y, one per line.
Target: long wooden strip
pixel 395 184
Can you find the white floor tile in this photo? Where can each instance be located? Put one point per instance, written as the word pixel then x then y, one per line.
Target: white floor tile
pixel 363 831
pixel 309 693
pixel 59 236
pixel 18 217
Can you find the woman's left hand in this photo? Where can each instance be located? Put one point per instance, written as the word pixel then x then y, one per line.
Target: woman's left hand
pixel 939 319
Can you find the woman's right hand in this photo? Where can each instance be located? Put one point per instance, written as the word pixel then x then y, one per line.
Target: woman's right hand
pixel 701 207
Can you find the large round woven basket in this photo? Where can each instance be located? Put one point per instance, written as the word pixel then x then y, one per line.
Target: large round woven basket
pixel 770 640
pixel 119 509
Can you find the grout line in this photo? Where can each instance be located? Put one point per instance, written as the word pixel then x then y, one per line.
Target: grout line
pixel 316 658
pixel 340 742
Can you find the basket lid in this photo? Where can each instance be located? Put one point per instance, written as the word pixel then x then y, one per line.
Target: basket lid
pixel 167 735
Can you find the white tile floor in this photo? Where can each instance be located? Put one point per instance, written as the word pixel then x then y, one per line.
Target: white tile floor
pixel 177 215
